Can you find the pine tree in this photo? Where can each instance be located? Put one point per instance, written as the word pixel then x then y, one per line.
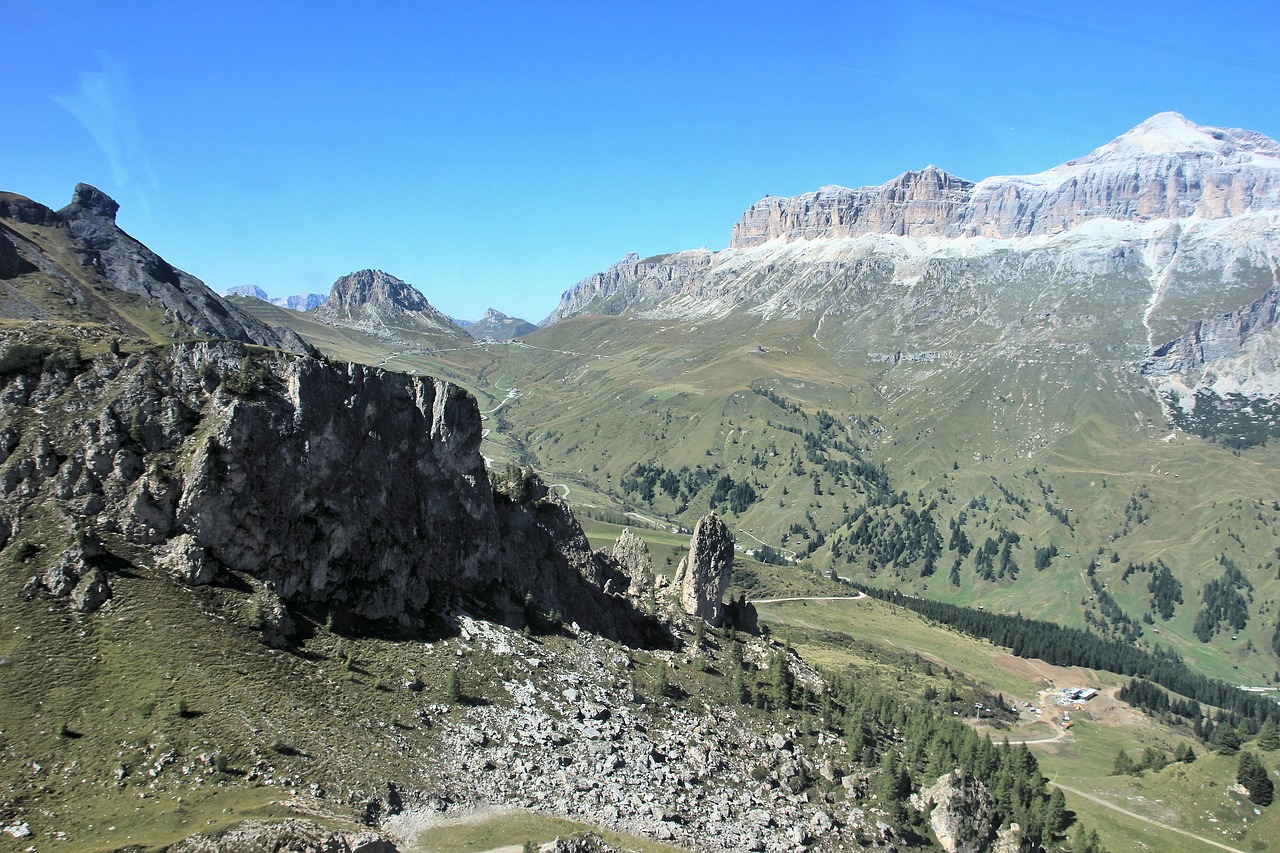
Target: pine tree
pixel 1226 740
pixel 1254 777
pixel 663 687
pixel 1269 736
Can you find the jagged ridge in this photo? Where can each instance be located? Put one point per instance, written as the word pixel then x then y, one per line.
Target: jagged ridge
pixel 82 256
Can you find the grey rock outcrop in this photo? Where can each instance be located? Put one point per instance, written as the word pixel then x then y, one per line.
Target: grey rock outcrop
pixel 703 573
pixel 633 556
pixel 1234 352
pixel 170 450
pixel 960 812
pixel 295 835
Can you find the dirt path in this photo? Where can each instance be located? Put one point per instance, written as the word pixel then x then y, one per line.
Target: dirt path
pixel 857 597
pixel 1137 816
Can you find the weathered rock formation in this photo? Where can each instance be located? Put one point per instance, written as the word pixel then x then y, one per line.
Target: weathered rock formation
pixel 960 813
pixel 703 573
pixel 1234 353
pixel 379 304
pixel 1165 168
pixel 80 254
pixel 632 555
pixel 342 488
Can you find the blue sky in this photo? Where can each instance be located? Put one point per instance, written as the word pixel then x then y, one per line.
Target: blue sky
pixel 497 153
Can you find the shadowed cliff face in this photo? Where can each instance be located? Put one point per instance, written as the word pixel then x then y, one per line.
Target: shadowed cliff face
pixel 343 487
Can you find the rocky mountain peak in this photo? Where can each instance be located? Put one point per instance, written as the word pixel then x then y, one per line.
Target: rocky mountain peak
pixel 379 304
pixel 251 291
pixel 91 201
pixel 1165 168
pixel 376 288
pixel 498 326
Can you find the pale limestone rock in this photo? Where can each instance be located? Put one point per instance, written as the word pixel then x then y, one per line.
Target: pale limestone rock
pixel 703 573
pixel 633 556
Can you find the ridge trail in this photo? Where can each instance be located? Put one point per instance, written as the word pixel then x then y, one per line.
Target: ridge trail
pixel 1137 816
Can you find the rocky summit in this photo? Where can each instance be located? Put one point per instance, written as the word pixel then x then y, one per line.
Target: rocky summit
pixel 383 306
pixel 495 325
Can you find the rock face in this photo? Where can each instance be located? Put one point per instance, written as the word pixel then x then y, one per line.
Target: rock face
pixel 495 325
pixel 632 555
pixel 177 452
pixel 960 813
pixel 1234 353
pixel 109 263
pixel 381 305
pixel 703 574
pixel 1165 168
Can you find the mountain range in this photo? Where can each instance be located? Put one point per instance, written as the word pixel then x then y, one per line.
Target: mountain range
pixel 1048 397
pixel 297 302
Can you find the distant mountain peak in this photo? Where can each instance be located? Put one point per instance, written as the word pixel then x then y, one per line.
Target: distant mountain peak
pixel 495 325
pixel 377 302
pixel 1171 133
pixel 304 301
pixel 252 291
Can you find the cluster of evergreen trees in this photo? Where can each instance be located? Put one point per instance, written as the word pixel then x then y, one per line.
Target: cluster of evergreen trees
pixel 912 745
pixel 1254 777
pixel 1064 646
pixel 1225 602
pixel 1143 694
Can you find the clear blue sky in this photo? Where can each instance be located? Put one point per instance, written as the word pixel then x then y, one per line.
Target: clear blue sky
pixel 496 153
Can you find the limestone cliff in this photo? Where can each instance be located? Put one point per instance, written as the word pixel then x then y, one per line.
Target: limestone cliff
pixel 1165 168
pixel 342 488
pixel 1235 352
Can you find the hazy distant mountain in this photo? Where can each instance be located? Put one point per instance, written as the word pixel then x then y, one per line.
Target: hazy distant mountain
pixel 297 302
pixel 495 325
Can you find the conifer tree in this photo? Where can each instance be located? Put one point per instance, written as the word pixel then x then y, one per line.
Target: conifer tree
pixel 1254 777
pixel 1269 736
